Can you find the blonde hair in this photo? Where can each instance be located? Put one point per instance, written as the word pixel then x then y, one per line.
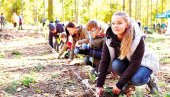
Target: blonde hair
pixel 127 35
pixel 92 24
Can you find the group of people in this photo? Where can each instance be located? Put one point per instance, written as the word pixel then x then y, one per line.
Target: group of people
pixel 120 49
pixel 17 21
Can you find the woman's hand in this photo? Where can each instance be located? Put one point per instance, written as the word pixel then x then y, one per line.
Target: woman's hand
pixel 116 90
pixel 99 91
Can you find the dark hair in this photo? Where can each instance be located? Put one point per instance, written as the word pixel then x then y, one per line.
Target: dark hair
pixel 71 25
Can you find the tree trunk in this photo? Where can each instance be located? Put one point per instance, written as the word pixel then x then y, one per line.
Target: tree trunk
pixel 151 14
pixel 63 17
pixel 156 8
pixel 89 8
pixel 96 7
pixel 130 8
pixel 147 13
pixel 44 8
pixel 50 10
pixel 123 5
pixel 136 8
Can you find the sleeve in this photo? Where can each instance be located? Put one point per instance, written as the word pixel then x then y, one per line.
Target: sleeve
pixel 103 66
pixel 134 65
pixel 72 49
pixel 95 53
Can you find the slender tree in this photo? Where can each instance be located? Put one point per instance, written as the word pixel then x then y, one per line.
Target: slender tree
pixel 130 8
pixel 123 4
pixel 50 10
pixel 156 8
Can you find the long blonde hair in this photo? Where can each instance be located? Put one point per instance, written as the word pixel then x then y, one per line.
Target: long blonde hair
pixel 127 35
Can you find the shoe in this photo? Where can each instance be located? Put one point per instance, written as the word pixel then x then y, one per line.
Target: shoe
pixel 152 85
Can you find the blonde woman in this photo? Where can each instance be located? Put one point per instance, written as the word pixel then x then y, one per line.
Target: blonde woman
pixel 125 50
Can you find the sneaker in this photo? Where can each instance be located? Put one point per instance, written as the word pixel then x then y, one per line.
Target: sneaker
pixel 152 85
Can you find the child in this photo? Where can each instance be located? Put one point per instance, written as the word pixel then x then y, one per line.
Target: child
pixel 94 48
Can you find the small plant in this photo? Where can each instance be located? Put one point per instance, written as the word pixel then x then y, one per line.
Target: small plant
pixel 12 88
pixel 108 92
pixel 55 75
pixel 39 68
pixel 2 55
pixel 27 81
pixel 92 77
pixel 16 53
pixel 167 95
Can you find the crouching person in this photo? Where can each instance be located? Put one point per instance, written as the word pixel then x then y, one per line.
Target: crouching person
pixel 66 48
pixel 79 36
pixel 130 58
pixel 93 49
pixel 54 32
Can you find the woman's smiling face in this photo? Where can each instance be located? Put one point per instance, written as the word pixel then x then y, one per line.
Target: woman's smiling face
pixel 118 25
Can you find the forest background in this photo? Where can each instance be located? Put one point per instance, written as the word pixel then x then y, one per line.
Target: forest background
pixel 81 11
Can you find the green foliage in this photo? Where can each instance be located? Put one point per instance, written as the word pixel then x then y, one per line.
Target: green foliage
pixel 2 55
pixel 83 10
pixel 138 93
pixel 16 53
pixel 55 75
pixel 165 60
pixel 92 77
pixel 27 81
pixel 38 68
pixel 168 95
pixel 12 87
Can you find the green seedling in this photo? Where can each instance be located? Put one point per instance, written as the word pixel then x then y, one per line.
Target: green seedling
pixel 168 95
pixel 55 75
pixel 39 68
pixel 27 81
pixel 16 53
pixel 12 88
pixel 2 55
pixel 92 77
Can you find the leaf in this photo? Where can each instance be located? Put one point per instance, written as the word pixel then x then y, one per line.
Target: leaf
pixel 92 77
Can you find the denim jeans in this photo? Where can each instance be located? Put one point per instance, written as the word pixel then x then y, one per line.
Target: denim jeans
pixel 83 46
pixel 141 77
